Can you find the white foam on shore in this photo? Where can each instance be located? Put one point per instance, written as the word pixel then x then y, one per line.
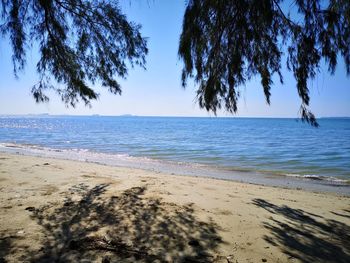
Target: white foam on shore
pixel 317 177
pixel 114 159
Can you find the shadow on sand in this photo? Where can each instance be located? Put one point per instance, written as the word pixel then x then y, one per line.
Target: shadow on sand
pixel 305 236
pixel 128 228
pixel 5 247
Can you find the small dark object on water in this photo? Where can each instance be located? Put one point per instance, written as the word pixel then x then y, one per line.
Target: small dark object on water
pixel 30 208
pixel 264 260
pixel 193 243
pixel 46 164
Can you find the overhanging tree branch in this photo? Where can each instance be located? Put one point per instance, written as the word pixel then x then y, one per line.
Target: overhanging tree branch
pixel 261 31
pixel 80 42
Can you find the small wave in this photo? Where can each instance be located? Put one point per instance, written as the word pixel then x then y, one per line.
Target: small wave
pixel 24 146
pixel 318 178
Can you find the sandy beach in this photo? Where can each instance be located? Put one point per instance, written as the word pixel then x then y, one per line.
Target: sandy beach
pixel 64 211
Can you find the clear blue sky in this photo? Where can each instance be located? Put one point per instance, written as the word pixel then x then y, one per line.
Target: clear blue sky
pixel 157 91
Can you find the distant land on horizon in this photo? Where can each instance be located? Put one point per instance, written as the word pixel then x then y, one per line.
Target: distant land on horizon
pixel 154 116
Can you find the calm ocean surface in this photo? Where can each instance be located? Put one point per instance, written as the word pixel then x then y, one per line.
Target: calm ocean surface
pixel 279 147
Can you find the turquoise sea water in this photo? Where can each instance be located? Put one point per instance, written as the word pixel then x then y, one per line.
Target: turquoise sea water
pixel 279 147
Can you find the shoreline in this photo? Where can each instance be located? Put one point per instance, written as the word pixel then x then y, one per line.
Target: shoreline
pixel 311 183
pixel 74 211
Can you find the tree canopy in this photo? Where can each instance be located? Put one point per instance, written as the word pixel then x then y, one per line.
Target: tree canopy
pixel 80 42
pixel 225 43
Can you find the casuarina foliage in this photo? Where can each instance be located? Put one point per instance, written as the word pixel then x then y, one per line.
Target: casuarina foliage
pixel 80 43
pixel 225 43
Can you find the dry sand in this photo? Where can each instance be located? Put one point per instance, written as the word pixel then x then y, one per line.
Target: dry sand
pixel 63 211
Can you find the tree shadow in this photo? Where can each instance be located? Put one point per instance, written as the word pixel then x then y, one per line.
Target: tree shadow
pixel 303 237
pixel 6 247
pixel 9 245
pixel 342 214
pixel 128 227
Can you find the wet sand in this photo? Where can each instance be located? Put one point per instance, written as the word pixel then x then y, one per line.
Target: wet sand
pixel 66 211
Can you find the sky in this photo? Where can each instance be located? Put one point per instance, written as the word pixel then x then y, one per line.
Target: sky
pixel 157 91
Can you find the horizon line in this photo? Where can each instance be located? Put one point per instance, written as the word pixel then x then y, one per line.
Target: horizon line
pixel 159 116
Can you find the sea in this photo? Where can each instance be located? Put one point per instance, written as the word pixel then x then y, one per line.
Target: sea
pixel 271 151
